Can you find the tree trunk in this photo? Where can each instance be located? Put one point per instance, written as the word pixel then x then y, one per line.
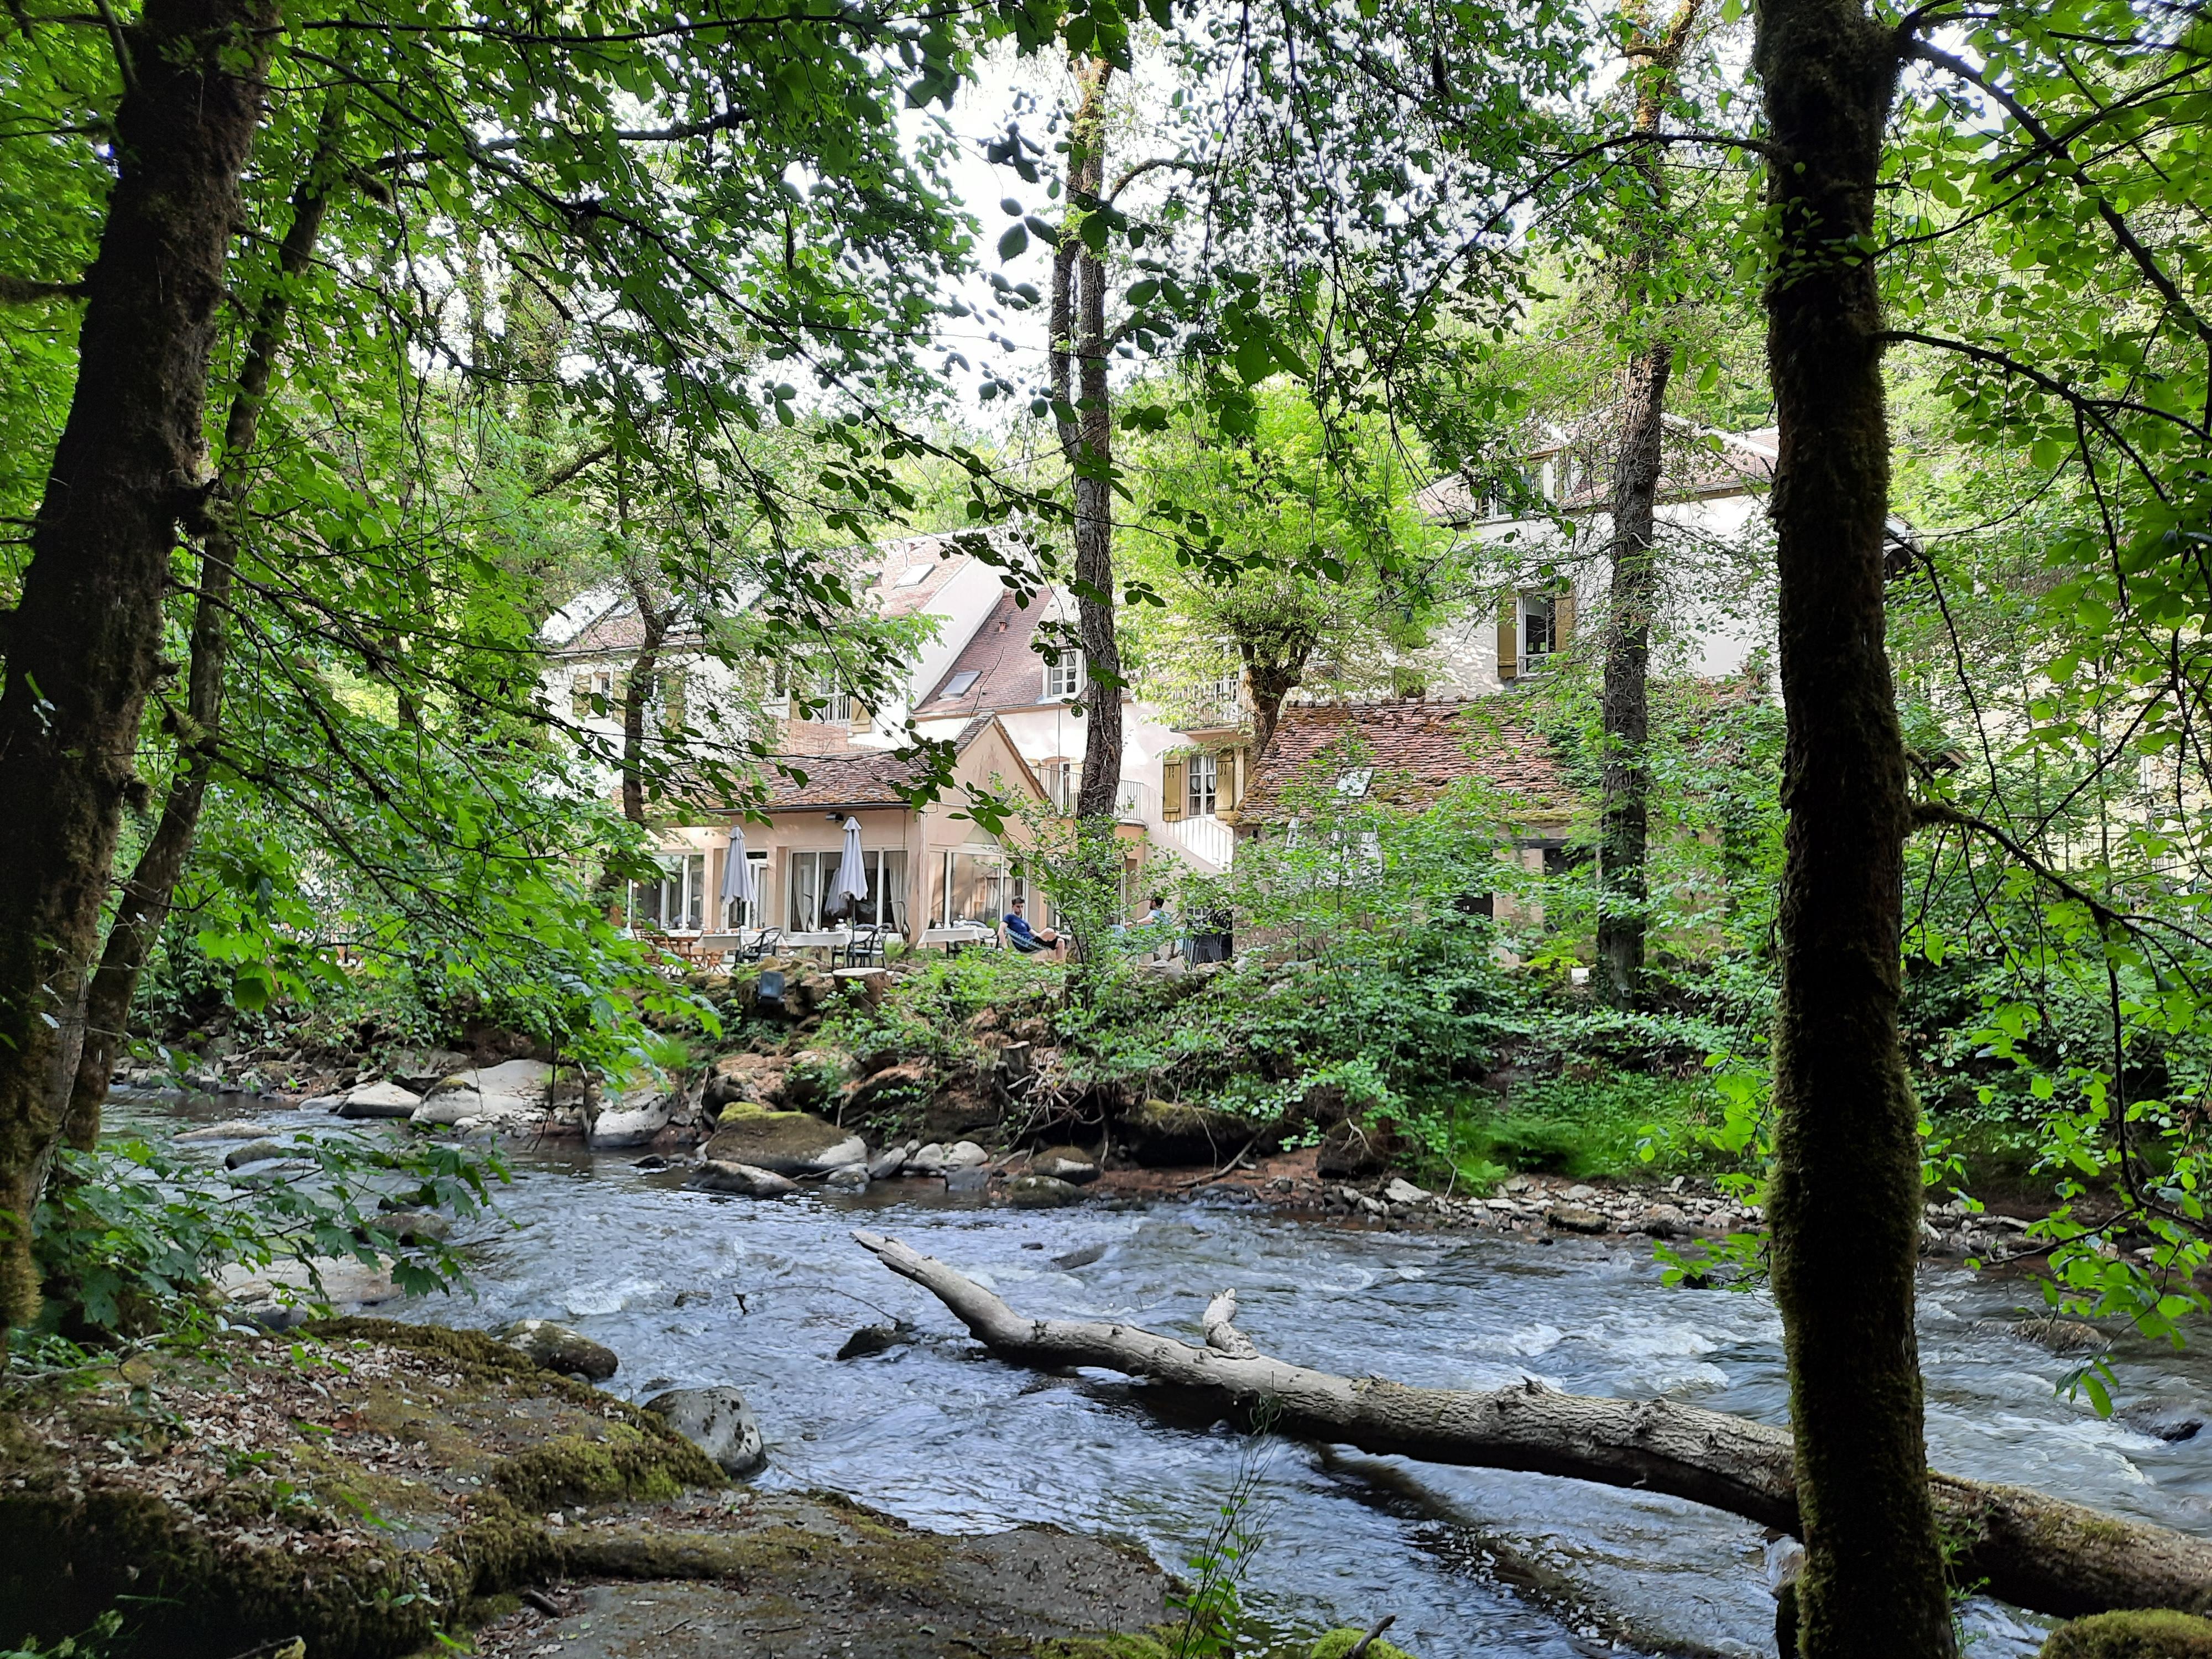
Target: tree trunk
pixel 1846 1201
pixel 1625 783
pixel 637 694
pixel 1269 684
pixel 2037 1553
pixel 85 638
pixel 1079 371
pixel 144 907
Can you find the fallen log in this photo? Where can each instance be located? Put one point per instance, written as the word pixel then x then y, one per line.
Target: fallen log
pixel 2036 1552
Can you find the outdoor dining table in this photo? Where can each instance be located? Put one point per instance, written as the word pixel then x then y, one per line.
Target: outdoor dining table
pixel 959 933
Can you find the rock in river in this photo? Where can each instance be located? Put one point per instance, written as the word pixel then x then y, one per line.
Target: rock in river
pixel 258 1152
pixel 1573 1218
pixel 1065 1163
pixel 789 1143
pixel 378 1100
pixel 1037 1192
pixel 720 1175
pixel 718 1422
pixel 557 1348
pixel 975 1179
pixel 965 1155
pixel 874 1340
pixel 634 1119
pixel 237 1128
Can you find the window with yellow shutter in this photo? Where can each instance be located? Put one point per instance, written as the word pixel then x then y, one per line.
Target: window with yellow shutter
pixel 1171 788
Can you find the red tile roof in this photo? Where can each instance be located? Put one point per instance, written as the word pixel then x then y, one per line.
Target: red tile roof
pixel 1008 673
pixel 855 777
pixel 1417 750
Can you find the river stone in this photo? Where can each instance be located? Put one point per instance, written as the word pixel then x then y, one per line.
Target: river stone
pixel 2059 1335
pixel 1573 1218
pixel 2170 1420
pixel 965 1155
pixel 422 1072
pixel 889 1162
pixel 872 1339
pixel 1039 1192
pixel 1082 1258
pixel 416 1226
pixel 847 1178
pixel 279 1295
pixel 1402 1191
pixel 927 1160
pixel 789 1143
pixel 236 1130
pixel 258 1152
pixel 557 1348
pixel 972 1179
pixel 635 1117
pixel 1065 1163
pixel 720 1175
pixel 2132 1635
pixel 718 1422
pixel 385 1099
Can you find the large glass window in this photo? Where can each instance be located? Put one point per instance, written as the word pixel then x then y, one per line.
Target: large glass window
pixel 1540 619
pixel 810 907
pixel 975 888
pixel 1203 775
pixel 741 914
pixel 676 903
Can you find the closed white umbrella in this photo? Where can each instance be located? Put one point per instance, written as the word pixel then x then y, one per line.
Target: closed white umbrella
pixel 739 886
pixel 851 886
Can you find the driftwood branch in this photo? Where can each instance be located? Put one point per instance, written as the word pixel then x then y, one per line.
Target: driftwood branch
pixel 2037 1553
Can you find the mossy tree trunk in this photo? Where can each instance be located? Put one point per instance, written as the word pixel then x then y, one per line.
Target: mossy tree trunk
pixel 1624 788
pixel 143 909
pixel 1086 419
pixel 1846 1201
pixel 84 640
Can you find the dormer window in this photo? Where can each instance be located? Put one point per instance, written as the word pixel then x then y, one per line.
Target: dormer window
pixel 1063 675
pixel 962 683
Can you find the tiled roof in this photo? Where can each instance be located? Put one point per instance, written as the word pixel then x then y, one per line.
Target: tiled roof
pixel 1695 461
pixel 856 777
pixel 1008 674
pixel 1416 749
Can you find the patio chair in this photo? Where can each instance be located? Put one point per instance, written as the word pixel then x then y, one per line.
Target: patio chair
pixel 763 942
pixel 864 948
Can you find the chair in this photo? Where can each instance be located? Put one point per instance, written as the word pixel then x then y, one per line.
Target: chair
pixel 762 943
pixel 864 947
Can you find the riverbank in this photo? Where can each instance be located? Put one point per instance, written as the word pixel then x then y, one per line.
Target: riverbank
pixel 374 1489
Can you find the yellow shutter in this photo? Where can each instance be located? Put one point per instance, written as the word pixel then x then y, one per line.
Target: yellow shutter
pixel 1509 637
pixel 671 707
pixel 1226 783
pixel 1563 620
pixel 580 694
pixel 1171 787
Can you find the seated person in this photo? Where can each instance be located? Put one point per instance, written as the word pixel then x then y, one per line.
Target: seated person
pixel 1156 914
pixel 1021 937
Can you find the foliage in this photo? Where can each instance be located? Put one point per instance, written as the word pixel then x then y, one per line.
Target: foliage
pixel 131 1234
pixel 1212 1606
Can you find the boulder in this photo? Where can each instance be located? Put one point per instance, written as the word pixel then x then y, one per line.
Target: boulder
pixel 1041 1192
pixel 789 1143
pixel 716 1175
pixel 1065 1163
pixel 258 1152
pixel 892 1159
pixel 282 1294
pixel 633 1118
pixel 385 1099
pixel 965 1155
pixel 1160 1133
pixel 557 1348
pixel 2132 1635
pixel 420 1072
pixel 1574 1219
pixel 927 1160
pixel 907 1084
pixel 975 1179
pixel 848 1178
pixel 1398 1190
pixel 743 1078
pixel 322 1104
pixel 1662 1221
pixel 2170 1420
pixel 416 1226
pixel 718 1422
pixel 236 1130
pixel 2059 1335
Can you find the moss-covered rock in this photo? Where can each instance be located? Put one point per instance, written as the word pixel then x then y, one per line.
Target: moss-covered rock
pixel 1170 1134
pixel 785 1143
pixel 2149 1635
pixel 1339 1642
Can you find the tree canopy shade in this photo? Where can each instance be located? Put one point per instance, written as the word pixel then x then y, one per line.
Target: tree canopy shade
pixel 640 225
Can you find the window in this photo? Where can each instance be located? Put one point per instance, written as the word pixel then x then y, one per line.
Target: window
pixel 975 888
pixel 1063 674
pixel 837 708
pixel 739 913
pixel 1201 775
pixel 810 909
pixel 916 577
pixel 1062 780
pixel 676 903
pixel 1540 616
pixel 1352 785
pixel 962 683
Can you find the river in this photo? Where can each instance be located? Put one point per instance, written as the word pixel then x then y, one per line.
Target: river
pixel 691 1289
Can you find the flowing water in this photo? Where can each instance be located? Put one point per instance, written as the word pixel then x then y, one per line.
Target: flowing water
pixel 692 1289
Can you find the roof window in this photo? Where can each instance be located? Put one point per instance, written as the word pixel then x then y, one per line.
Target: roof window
pixel 916 577
pixel 962 683
pixel 1352 785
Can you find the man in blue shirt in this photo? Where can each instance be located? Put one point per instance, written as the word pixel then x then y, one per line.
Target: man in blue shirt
pixel 1022 938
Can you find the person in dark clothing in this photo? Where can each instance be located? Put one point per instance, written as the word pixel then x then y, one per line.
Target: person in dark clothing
pixel 1022 937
